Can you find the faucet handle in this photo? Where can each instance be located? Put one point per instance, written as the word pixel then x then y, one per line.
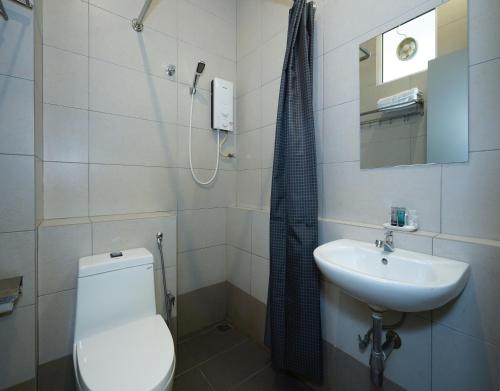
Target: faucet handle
pixel 379 243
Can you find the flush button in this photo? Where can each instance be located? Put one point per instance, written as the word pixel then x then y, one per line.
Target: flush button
pixel 116 254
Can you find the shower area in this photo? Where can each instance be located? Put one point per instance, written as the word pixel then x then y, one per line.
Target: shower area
pixel 113 144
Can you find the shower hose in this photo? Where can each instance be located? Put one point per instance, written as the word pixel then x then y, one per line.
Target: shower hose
pixel 197 180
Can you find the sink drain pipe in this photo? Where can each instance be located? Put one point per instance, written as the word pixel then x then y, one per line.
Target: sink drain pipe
pixel 380 350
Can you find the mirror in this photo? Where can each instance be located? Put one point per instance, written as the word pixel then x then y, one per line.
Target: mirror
pixel 414 91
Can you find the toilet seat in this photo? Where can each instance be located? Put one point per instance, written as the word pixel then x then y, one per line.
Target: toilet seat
pixel 137 356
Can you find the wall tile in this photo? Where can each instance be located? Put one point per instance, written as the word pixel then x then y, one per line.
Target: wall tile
pixel 16 115
pixel 341 133
pixel 249 26
pixel 266 184
pixel 17 193
pixel 248 111
pixel 267 145
pixel 260 278
pixel 17 338
pixel 248 188
pixel 239 268
pixel 365 195
pixel 460 362
pixel 216 66
pixel 249 150
pixel 225 9
pixel 16 45
pixel 65 78
pixel 132 141
pixel 318 87
pixel 260 234
pixel 132 232
pixel 269 102
pixel 249 73
pixel 329 301
pixel 112 39
pixel 471 195
pixel 59 250
pixel 484 30
pixel 131 189
pixel 274 14
pixel 17 258
pixel 319 136
pixel 118 90
pixel 239 228
pixel 218 194
pixel 217 35
pixel 201 268
pixel 192 228
pixel 66 134
pixel 484 91
pixel 65 190
pixel 273 51
pixel 341 80
pixel 475 311
pixel 56 319
pixel 70 17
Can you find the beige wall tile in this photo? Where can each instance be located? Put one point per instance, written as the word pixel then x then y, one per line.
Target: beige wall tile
pixel 16 115
pixel 65 190
pixel 59 250
pixel 17 337
pixel 17 211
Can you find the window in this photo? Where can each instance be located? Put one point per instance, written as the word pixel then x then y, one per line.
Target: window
pixel 408 48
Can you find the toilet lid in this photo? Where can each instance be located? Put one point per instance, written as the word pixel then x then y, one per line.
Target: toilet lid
pixel 136 356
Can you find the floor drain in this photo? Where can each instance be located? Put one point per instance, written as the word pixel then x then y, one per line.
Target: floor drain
pixel 223 327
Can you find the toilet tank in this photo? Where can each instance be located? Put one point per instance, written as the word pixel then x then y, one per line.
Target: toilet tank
pixel 113 289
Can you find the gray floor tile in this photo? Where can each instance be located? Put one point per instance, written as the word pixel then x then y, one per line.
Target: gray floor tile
pixel 191 381
pixel 270 380
pixel 206 345
pixel 232 367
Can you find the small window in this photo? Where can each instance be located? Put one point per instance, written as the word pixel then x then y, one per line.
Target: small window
pixel 408 48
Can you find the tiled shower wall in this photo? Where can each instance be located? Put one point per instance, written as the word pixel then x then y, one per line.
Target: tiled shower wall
pixel 115 146
pixel 20 159
pixel 455 347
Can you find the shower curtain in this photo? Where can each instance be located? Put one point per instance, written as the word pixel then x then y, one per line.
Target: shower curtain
pixel 293 326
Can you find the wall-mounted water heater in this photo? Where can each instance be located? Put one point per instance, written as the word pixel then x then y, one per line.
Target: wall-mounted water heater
pixel 222 105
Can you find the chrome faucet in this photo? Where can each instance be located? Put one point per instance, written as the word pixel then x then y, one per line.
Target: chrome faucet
pixel 388 243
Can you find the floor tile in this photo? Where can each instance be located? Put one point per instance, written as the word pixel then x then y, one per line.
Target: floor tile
pixel 191 381
pixel 234 366
pixel 200 348
pixel 270 380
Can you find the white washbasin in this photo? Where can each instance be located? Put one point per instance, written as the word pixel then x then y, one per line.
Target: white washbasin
pixel 408 282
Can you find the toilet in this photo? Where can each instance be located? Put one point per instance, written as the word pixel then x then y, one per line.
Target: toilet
pixel 120 343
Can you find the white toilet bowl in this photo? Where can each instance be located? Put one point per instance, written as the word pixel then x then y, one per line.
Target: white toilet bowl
pixel 120 342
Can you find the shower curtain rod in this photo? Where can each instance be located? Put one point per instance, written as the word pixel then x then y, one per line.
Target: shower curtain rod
pixel 137 24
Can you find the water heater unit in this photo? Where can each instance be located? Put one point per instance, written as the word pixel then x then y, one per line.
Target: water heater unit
pixel 222 105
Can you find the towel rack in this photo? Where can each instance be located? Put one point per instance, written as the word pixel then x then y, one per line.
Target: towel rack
pixel 396 111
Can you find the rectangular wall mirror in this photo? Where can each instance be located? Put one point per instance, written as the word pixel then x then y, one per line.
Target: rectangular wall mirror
pixel 414 91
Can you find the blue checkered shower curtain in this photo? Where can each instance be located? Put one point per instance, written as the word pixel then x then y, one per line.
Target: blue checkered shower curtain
pixel 293 325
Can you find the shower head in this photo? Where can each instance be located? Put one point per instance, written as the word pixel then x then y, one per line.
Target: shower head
pixel 200 67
